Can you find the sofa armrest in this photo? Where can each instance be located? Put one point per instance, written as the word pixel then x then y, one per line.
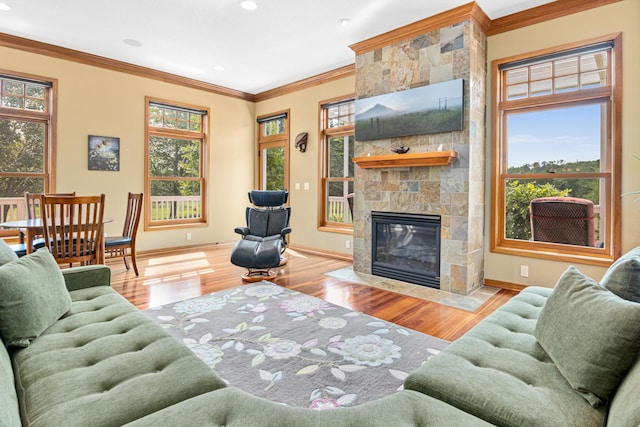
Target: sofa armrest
pixel 85 277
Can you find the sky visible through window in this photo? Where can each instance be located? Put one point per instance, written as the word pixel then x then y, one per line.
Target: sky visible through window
pixel 568 134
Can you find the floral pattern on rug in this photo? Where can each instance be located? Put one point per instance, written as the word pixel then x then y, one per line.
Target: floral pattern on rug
pixel 296 349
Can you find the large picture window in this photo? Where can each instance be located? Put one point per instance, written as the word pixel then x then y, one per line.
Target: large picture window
pixel 176 166
pixel 556 171
pixel 27 109
pixel 337 120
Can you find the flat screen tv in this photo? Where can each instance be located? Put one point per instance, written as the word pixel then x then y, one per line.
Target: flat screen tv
pixel 428 109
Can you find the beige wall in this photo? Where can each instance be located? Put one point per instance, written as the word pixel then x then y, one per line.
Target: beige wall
pixel 95 101
pixel 304 166
pixel 617 17
pixel 102 102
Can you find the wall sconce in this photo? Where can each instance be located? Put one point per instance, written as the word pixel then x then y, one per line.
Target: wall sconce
pixel 301 141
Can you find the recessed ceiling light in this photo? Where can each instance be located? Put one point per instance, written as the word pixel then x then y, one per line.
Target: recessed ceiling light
pixel 4 7
pixel 344 21
pixel 249 5
pixel 218 68
pixel 132 42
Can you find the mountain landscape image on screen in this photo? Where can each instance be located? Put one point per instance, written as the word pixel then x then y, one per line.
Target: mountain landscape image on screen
pixel 428 109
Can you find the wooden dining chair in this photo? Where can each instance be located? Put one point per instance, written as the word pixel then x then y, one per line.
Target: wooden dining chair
pixel 119 245
pixel 73 228
pixel 32 202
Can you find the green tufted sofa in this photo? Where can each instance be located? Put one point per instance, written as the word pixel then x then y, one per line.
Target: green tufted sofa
pixel 103 363
pixel 498 371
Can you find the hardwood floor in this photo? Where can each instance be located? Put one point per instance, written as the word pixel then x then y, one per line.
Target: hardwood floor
pixel 167 277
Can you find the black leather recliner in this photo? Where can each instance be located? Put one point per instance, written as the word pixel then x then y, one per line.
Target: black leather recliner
pixel 264 238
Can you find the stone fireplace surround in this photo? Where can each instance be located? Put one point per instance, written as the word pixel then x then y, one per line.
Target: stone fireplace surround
pixel 453 191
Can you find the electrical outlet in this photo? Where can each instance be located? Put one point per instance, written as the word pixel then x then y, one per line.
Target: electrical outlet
pixel 297 186
pixel 306 185
pixel 348 244
pixel 524 271
pixel 188 236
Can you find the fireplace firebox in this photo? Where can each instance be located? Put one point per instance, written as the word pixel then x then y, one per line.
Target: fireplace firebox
pixel 406 247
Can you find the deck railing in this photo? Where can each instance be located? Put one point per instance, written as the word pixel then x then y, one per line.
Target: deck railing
pixel 162 208
pixel 175 207
pixel 12 208
pixel 338 210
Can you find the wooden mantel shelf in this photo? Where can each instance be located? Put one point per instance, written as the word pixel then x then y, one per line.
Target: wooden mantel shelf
pixel 429 158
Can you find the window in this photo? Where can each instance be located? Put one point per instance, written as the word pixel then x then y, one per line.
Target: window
pixel 273 151
pixel 337 119
pixel 26 140
pixel 176 164
pixel 555 135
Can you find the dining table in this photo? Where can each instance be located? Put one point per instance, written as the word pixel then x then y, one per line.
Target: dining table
pixel 33 227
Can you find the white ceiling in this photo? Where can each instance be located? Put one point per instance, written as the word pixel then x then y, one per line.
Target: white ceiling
pixel 280 42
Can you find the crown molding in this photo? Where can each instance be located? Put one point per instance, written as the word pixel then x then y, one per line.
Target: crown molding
pixel 338 73
pixel 20 43
pixel 467 12
pixel 470 11
pixel 546 12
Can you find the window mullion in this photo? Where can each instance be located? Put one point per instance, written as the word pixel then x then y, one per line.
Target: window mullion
pixel 597 95
pixel 15 113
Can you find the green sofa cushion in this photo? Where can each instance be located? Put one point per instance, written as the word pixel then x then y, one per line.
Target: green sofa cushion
pixel 625 410
pixel 623 277
pixel 105 364
pixel 7 254
pixel 591 334
pixel 33 296
pixel 9 413
pixel 498 372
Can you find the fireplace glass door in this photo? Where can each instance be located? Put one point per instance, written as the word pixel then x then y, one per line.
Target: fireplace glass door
pixel 406 247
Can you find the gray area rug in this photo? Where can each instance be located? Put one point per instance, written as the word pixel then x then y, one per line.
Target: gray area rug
pixel 295 349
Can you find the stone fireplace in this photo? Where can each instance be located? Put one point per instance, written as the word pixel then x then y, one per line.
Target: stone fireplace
pixel 452 190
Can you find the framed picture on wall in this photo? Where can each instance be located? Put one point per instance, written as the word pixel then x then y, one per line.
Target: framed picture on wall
pixel 104 153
